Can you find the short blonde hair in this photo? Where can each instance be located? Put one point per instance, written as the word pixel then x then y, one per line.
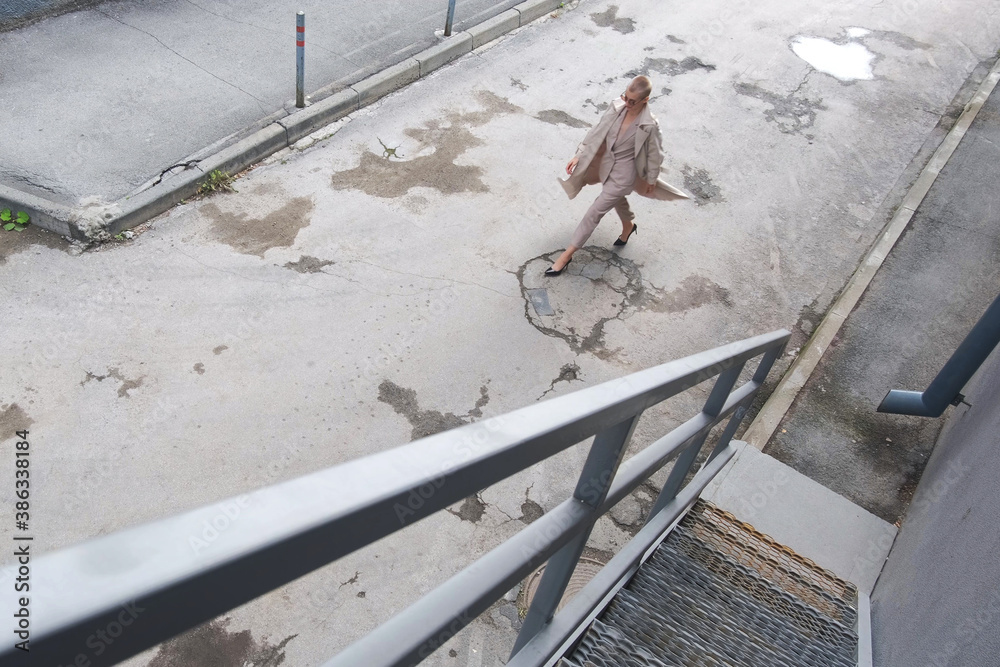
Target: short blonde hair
pixel 641 85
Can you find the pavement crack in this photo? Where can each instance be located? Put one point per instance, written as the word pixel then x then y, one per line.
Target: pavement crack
pixel 991 143
pixel 967 49
pixel 187 165
pixel 567 373
pixel 449 280
pixel 803 82
pixel 361 284
pixel 509 517
pixel 789 113
pixel 234 273
pixel 260 102
pixel 126 386
pixel 305 285
pixel 33 180
pixel 424 422
pixel 93 376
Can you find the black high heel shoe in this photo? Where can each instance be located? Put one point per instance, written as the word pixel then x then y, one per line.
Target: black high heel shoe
pixel 550 272
pixel 635 228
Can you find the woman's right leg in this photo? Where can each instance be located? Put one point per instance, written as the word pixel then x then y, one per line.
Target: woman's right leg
pixel 604 203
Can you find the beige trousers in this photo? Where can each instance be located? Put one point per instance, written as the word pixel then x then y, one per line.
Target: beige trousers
pixel 607 200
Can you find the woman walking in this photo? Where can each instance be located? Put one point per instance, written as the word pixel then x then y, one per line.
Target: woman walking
pixel 623 152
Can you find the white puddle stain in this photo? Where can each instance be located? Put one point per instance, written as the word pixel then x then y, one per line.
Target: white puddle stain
pixel 847 62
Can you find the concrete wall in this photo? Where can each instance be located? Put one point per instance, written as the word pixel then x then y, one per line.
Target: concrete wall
pixel 937 601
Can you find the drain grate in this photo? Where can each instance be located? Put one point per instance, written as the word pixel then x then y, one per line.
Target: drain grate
pixel 693 603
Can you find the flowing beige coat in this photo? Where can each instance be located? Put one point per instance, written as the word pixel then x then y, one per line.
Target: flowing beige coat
pixel 591 169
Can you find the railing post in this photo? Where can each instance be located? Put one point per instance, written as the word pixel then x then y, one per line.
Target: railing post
pixel 591 489
pixel 759 376
pixel 300 60
pixel 451 18
pixel 947 385
pixel 713 406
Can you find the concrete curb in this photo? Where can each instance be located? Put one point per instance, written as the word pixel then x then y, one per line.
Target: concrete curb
pixel 320 114
pixel 451 48
pixel 759 433
pixel 384 82
pixel 492 28
pixel 276 135
pixel 150 203
pixel 45 214
pixel 533 9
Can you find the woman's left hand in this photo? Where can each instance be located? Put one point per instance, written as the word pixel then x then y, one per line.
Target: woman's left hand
pixel 647 188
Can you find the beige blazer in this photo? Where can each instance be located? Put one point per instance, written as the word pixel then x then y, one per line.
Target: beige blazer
pixel 591 169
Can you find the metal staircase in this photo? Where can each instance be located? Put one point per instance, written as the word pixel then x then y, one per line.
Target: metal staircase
pixel 717 592
pixel 290 529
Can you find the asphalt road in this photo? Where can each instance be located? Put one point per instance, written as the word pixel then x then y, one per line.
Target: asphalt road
pixel 96 102
pixel 933 287
pixel 14 13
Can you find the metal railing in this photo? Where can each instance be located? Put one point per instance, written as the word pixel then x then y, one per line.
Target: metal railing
pixel 280 533
pixel 946 387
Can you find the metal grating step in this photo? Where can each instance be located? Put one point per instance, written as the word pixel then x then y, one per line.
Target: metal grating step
pixel 608 646
pixel 753 598
pixel 611 646
pixel 810 622
pixel 693 603
pixel 796 574
pixel 679 594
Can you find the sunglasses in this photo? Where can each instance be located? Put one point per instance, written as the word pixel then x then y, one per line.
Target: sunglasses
pixel 629 101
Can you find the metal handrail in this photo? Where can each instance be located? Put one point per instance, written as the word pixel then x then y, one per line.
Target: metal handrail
pixel 946 387
pixel 553 640
pixel 280 533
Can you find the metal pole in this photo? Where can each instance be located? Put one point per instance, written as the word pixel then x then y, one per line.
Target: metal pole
pixel 450 19
pixel 763 368
pixel 591 490
pixel 300 60
pixel 945 388
pixel 713 406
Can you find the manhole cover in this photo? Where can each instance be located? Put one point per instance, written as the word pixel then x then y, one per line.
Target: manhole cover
pixel 585 570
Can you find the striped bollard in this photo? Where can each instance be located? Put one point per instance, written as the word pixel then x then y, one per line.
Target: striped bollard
pixel 300 60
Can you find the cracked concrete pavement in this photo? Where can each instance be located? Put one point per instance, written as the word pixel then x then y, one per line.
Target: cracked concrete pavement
pixel 342 302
